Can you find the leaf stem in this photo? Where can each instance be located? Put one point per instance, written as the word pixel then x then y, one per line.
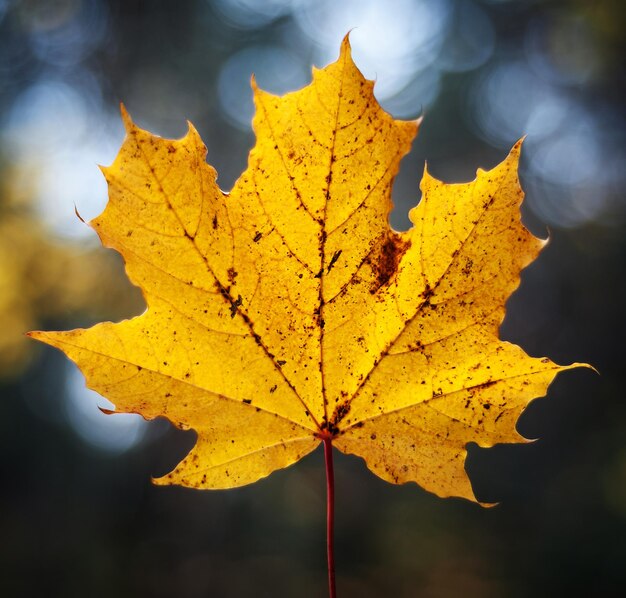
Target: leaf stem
pixel 330 514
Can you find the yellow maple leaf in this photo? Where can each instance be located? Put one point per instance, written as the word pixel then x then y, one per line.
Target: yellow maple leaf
pixel 288 311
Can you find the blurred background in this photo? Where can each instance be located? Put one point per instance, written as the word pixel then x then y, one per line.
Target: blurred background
pixel 78 515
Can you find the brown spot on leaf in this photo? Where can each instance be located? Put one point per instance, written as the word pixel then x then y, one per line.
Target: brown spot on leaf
pixel 235 305
pixel 340 412
pixel 333 259
pixel 467 269
pixel 385 264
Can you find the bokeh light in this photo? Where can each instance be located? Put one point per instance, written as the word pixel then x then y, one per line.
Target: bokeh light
pixel 562 49
pixel 251 14
pixel 64 32
pixel 60 130
pixel 276 70
pixel 112 433
pixel 391 41
pixel 470 39
pixel 569 147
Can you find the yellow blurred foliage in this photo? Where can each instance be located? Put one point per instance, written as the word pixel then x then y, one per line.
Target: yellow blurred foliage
pixel 47 280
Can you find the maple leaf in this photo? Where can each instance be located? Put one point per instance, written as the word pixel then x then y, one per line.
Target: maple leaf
pixel 288 311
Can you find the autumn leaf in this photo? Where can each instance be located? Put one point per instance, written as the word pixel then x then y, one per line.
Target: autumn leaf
pixel 288 311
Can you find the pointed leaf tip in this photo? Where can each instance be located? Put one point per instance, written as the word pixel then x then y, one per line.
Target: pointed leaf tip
pixel 126 119
pixel 78 214
pixel 346 47
pixel 516 150
pixel 192 131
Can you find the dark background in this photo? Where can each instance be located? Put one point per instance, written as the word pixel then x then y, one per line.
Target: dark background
pixel 78 515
